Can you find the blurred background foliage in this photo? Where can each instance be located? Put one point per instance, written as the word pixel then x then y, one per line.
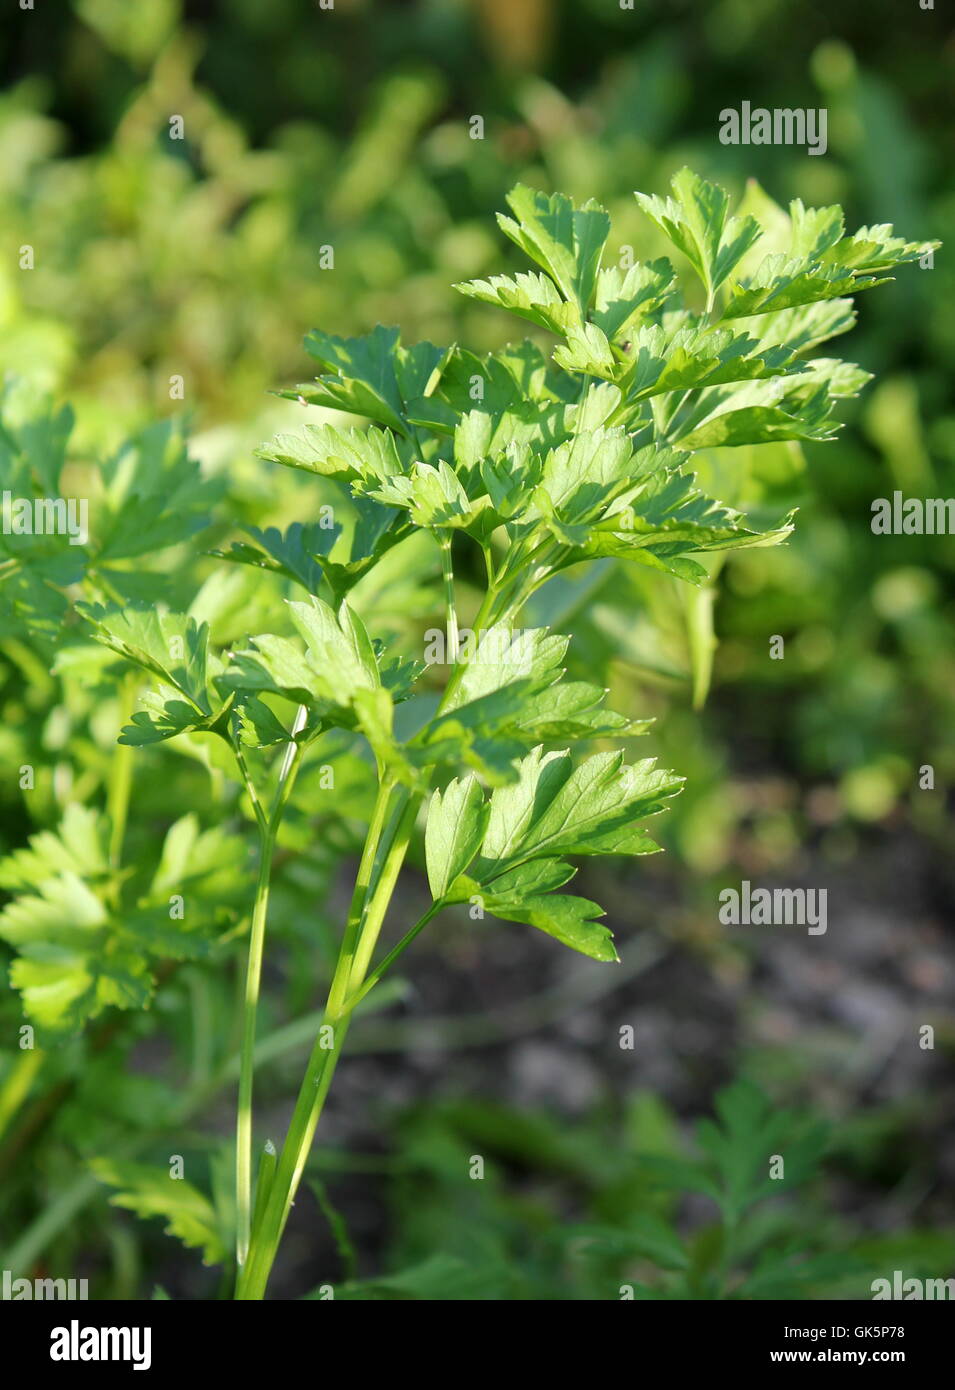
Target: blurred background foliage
pixel 207 258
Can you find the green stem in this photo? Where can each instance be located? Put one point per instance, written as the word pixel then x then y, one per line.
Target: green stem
pixel 447 570
pixel 253 977
pixel 346 955
pixel 263 1184
pixel 369 905
pixel 18 1082
pixel 261 819
pixel 488 563
pixel 121 775
pixel 384 888
pixel 386 845
pixel 388 961
pixel 308 1108
pixel 698 613
pixel 481 617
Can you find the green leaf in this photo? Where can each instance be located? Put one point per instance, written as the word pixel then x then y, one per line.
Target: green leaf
pixel 556 809
pixel 332 452
pixel 455 827
pixel 508 698
pixel 203 863
pixel 37 568
pixel 160 719
pixel 291 554
pixel 78 846
pixel 623 296
pixel 154 496
pixel 172 646
pixel 69 967
pixel 531 296
pixel 504 654
pixel 175 648
pixel 696 221
pixel 195 897
pixel 337 662
pixel 739 1148
pixel 805 326
pixel 661 518
pixel 569 919
pixel 762 412
pixel 646 1236
pixel 341 554
pixel 35 449
pixel 361 375
pixel 63 989
pixel 258 726
pixel 821 263
pixel 582 475
pixel 77 951
pixel 372 376
pixel 433 496
pixel 149 1192
pixel 551 809
pixel 785 282
pixel 567 242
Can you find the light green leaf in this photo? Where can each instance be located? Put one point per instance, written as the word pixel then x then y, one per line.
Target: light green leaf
pixel 338 659
pixel 149 1192
pixel 433 495
pixel 784 282
pixel 762 412
pixel 624 296
pixel 69 967
pixel 77 951
pixel 582 475
pixel 332 452
pixel 171 646
pixel 531 296
pixel 557 809
pixel 565 241
pixel 696 222
pixel 504 654
pixel 78 846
